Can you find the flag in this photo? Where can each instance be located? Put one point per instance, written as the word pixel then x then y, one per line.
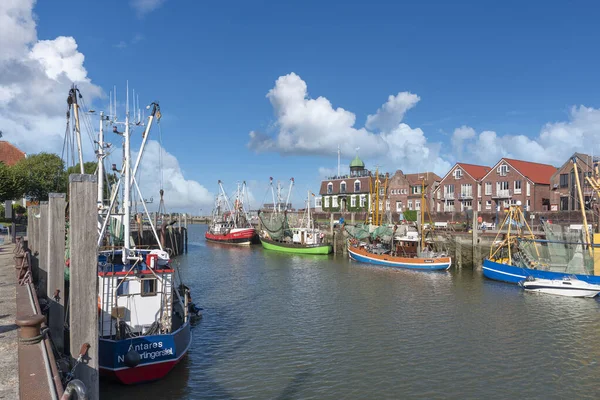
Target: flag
pixel 312 194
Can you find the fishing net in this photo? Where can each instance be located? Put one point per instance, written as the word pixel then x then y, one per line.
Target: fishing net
pixel 359 231
pixel 278 225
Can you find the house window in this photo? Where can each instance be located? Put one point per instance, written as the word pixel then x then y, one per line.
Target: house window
pixel 380 205
pixel 466 190
pixel 564 180
pixel 479 205
pixel 416 189
pixel 449 206
pixel 343 187
pixel 528 188
pixel 457 173
pixel 564 203
pixel 517 187
pixel 410 205
pixel 382 191
pixel 488 188
pixel 399 206
pixel 334 201
pixel 387 205
pixel 356 186
pixel 352 201
pixel 467 205
pixel 149 287
pixel 417 204
pixel 326 202
pixel 488 205
pixel 318 202
pixel 479 190
pixel 329 188
pixel 363 200
pixel 528 205
pixel 439 194
pixel 122 287
pixel 503 170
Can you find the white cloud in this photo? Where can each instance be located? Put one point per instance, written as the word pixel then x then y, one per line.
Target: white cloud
pixel 392 112
pixel 179 193
pixel 554 144
pixel 35 77
pixel 313 126
pixel 143 7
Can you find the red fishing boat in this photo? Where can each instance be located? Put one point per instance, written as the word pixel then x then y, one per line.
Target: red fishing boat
pixel 233 225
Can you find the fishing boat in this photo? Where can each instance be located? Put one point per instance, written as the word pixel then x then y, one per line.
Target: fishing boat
pixel 300 238
pixel 518 254
pixel 231 226
pixel 570 287
pixel 144 314
pixel 397 246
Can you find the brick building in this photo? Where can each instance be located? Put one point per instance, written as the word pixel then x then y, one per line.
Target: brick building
pixel 460 188
pixel 347 192
pixel 563 187
pixel 511 180
pixel 404 191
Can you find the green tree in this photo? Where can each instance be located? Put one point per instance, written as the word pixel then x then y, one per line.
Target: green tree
pixel 40 174
pixel 11 186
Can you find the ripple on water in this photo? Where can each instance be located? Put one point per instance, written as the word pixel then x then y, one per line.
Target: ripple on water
pixel 280 326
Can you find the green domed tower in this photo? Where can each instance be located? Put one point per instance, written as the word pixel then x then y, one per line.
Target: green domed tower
pixel 357 166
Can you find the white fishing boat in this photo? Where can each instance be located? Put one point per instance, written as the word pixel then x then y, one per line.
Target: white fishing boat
pixel 568 286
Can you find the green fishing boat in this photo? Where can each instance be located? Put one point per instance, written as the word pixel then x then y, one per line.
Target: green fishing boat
pixel 281 233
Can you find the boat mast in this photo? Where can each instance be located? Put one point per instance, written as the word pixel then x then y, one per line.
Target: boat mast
pixel 101 163
pixel 278 196
pixel 126 188
pixel 422 213
pixel 73 102
pixel 586 228
pixel 308 222
pixel 287 201
pixel 273 194
pixel 225 198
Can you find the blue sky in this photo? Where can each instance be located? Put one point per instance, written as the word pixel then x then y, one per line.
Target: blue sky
pixel 510 68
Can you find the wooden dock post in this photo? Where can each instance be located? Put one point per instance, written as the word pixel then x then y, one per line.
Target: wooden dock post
pixel 476 252
pixel 331 223
pixel 458 251
pixel 29 226
pixel 34 243
pixel 83 295
pixel 43 250
pixel 56 268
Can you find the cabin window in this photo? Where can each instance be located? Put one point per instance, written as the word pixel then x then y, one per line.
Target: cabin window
pixel 357 186
pixel 329 188
pixel 122 287
pixel 343 187
pixel 353 201
pixel 149 287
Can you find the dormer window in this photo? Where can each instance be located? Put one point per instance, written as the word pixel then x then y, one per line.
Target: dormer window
pixel 329 188
pixel 502 170
pixel 357 186
pixel 343 187
pixel 458 173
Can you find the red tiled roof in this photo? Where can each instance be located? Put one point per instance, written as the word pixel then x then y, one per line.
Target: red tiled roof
pixel 417 178
pixel 476 171
pixel 9 154
pixel 537 173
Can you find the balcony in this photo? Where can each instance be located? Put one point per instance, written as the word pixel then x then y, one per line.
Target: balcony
pixel 502 194
pixel 449 196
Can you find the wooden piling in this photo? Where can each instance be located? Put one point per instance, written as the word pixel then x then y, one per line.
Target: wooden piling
pixel 29 226
pixel 56 268
pixel 458 251
pixel 331 223
pixel 34 243
pixel 83 295
pixel 42 249
pixel 476 249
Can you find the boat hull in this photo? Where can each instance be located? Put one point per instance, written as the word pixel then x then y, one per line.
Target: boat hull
pixel 240 237
pixel 158 355
pixel 511 274
pixel 321 249
pixel 568 288
pixel 386 260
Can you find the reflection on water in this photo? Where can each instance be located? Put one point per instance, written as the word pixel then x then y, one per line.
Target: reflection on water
pixel 279 326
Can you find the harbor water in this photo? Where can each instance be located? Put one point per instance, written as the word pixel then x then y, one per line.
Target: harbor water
pixel 281 326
